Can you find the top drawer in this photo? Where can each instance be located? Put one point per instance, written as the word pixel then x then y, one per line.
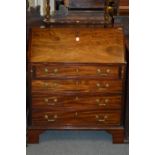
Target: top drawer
pixel 71 71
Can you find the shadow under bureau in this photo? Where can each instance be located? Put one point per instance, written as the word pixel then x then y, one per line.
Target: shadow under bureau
pixel 76 80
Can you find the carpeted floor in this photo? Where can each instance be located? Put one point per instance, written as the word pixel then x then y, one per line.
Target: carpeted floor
pixel 76 143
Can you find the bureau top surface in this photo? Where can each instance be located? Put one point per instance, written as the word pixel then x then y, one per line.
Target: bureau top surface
pixel 77 45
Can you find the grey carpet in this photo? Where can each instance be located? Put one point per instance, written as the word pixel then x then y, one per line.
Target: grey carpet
pixel 76 143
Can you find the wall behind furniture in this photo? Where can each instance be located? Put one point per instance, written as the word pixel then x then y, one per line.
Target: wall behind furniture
pixel 42 4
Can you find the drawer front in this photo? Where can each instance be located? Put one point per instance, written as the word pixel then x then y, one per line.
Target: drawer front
pixel 77 102
pixel 71 118
pixel 75 86
pixel 60 71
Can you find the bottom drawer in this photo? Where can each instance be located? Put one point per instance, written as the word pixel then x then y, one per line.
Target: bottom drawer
pixel 75 118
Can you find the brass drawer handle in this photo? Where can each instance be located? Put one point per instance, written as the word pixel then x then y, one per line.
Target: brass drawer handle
pixel 107 85
pixel 55 71
pixel 53 84
pixel 101 120
pixel 50 103
pixel 99 102
pixel 46 70
pixel 108 70
pixel 55 100
pixel 52 119
pixel 106 100
pixel 101 73
pixel 47 101
pixel 99 85
pixel 102 104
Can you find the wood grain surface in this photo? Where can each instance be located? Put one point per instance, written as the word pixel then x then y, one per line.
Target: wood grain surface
pixel 76 86
pixel 95 45
pixel 78 117
pixel 77 102
pixel 44 71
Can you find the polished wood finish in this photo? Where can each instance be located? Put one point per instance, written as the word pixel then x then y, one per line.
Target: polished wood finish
pixel 77 102
pixel 77 84
pixel 42 71
pixel 52 45
pixel 117 135
pixel 75 118
pixel 33 136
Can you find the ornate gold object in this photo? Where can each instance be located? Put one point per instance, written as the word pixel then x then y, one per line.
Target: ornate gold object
pixel 110 9
pixel 47 10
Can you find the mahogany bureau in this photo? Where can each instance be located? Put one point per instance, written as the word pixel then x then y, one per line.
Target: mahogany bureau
pixel 76 80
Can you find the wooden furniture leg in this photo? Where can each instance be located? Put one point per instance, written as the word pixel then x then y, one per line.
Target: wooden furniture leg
pixel 33 136
pixel 117 135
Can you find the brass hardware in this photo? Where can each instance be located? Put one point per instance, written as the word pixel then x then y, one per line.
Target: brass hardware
pixel 46 116
pixel 76 98
pixel 97 100
pixel 46 84
pixel 47 16
pixel 76 114
pixel 55 100
pixel 51 103
pixel 105 116
pixel 102 104
pixel 55 70
pixel 51 120
pixel 106 100
pixel 46 70
pixel 98 85
pixel 99 103
pixel 110 9
pixel 46 99
pixel 107 85
pixel 97 116
pixel 101 120
pixel 108 70
pixel 100 72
